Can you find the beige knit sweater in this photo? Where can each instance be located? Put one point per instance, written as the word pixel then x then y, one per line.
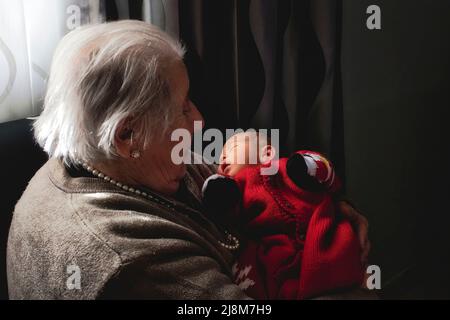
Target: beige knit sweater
pixel 84 238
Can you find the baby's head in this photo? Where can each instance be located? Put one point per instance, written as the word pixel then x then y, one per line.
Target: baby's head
pixel 243 150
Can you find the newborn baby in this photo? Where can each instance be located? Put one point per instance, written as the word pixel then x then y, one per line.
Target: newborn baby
pixel 294 243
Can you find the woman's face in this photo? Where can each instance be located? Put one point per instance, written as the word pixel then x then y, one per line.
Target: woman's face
pixel 156 168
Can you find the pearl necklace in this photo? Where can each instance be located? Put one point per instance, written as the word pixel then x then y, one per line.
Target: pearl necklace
pixel 232 239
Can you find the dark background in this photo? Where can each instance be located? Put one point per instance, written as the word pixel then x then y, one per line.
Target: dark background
pixel 396 86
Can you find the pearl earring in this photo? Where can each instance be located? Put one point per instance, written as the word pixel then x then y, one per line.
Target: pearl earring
pixel 135 154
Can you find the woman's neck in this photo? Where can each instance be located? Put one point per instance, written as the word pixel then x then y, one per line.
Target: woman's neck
pixel 129 175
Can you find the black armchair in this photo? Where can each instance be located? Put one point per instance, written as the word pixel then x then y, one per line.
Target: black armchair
pixel 20 158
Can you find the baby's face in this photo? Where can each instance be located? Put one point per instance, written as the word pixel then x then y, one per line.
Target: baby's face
pixel 239 152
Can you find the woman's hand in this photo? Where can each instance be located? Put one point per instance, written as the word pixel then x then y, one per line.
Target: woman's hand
pixel 360 225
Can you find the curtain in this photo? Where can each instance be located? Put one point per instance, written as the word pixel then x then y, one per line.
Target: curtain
pixel 28 38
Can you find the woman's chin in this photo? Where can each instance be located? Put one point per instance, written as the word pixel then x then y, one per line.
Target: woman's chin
pixel 172 187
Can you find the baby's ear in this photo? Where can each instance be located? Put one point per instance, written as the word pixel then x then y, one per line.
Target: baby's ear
pixel 267 153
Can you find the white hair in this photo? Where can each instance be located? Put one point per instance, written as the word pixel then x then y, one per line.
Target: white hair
pixel 101 76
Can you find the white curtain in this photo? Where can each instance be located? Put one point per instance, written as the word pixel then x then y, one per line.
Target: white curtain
pixel 29 33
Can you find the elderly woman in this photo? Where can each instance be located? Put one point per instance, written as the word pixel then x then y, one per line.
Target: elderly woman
pixel 110 215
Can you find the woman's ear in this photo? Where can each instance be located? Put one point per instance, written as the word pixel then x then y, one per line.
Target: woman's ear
pixel 267 154
pixel 123 139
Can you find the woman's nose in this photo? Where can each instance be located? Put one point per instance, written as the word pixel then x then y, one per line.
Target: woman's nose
pixel 197 116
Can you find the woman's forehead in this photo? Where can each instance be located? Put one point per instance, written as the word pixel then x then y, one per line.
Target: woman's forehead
pixel 179 79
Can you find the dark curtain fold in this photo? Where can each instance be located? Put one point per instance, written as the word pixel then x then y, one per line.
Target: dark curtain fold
pixel 209 31
pixel 123 9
